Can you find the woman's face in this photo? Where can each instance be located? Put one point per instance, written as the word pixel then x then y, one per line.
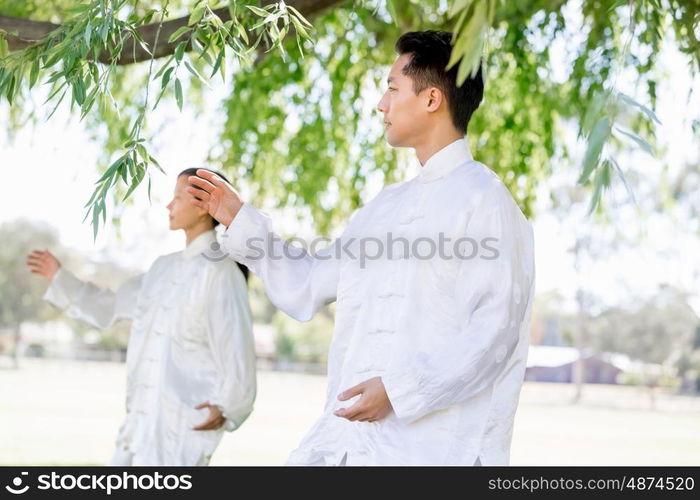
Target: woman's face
pixel 183 214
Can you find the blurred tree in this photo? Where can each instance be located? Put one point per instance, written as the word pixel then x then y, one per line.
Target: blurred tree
pixel 263 310
pixel 298 129
pixel 21 291
pixel 306 342
pixel 660 330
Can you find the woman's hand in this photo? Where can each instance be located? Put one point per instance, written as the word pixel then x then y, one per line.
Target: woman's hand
pixel 216 419
pixel 44 263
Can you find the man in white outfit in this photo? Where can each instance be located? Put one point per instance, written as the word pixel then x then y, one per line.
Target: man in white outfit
pixel 191 356
pixel 433 279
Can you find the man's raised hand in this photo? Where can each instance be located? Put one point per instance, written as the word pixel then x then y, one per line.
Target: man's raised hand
pixel 215 195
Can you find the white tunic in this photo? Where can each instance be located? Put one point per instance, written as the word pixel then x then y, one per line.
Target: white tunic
pixel 448 334
pixel 191 341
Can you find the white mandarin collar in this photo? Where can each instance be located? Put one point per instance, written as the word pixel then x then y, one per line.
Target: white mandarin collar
pixel 200 244
pixel 445 160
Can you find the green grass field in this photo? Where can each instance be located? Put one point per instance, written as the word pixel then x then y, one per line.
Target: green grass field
pixel 68 412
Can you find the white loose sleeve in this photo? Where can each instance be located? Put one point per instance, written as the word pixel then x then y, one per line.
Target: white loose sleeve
pixel 100 307
pixel 295 281
pixel 493 297
pixel 230 334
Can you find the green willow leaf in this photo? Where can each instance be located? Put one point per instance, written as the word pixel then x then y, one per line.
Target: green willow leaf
pixel 178 33
pixel 178 93
pixel 644 145
pixel 648 112
pixel 34 73
pixel 597 139
pixel 196 16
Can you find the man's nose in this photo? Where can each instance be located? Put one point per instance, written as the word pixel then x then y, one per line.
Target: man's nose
pixel 380 106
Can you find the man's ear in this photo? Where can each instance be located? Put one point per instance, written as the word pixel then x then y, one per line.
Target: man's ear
pixel 435 98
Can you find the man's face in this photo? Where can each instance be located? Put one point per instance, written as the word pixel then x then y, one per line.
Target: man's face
pixel 405 113
pixel 183 214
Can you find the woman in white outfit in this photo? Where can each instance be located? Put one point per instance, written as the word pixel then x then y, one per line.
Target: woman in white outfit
pixel 190 357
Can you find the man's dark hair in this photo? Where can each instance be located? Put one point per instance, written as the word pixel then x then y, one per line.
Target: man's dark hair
pixel 430 52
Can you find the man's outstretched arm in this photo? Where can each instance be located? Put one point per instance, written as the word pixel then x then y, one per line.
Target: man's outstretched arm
pixel 295 281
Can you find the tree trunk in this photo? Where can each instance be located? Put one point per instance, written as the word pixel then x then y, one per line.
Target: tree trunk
pixel 17 340
pixel 579 368
pixel 30 32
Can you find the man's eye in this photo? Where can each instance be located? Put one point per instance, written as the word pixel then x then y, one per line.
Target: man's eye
pixel 392 88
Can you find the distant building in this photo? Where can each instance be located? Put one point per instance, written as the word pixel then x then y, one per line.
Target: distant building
pixel 556 364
